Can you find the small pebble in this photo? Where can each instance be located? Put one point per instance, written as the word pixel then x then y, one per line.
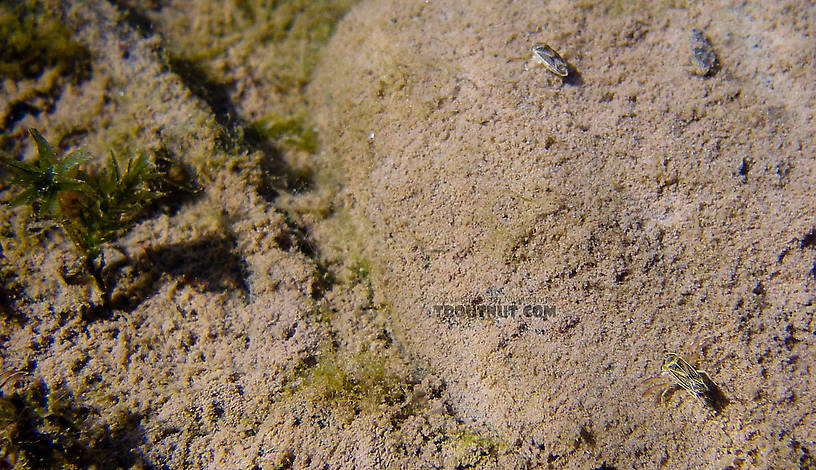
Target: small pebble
pixel 703 56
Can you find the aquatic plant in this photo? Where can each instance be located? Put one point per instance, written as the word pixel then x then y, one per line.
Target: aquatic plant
pixel 44 182
pixel 91 208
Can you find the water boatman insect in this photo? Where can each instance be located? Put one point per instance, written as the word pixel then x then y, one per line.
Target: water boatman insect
pixel 546 56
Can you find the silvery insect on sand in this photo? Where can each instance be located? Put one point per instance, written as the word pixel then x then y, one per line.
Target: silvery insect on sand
pixel 547 56
pixel 703 57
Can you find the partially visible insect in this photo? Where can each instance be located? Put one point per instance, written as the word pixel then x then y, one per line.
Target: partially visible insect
pixel 678 373
pixel 681 374
pixel 546 56
pixel 703 57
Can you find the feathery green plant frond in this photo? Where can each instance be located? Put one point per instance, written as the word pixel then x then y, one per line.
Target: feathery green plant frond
pixel 91 207
pixel 44 181
pixel 112 200
pixel 125 193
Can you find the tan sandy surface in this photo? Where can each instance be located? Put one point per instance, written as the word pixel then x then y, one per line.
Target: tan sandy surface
pixel 283 315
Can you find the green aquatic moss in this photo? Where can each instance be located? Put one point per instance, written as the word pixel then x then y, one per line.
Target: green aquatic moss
pixel 45 182
pixel 93 207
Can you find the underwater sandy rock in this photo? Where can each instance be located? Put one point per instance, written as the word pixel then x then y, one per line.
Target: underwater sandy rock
pixel 620 201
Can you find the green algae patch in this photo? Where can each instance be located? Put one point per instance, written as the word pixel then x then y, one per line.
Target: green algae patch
pixel 250 61
pixel 290 34
pixel 363 383
pixel 34 39
pixel 288 131
pixel 472 449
